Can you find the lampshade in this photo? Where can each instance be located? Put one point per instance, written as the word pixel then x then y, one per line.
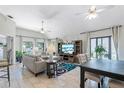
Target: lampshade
pixel 35 50
pixel 51 48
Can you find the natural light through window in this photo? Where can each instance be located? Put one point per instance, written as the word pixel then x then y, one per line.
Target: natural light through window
pixel 107 43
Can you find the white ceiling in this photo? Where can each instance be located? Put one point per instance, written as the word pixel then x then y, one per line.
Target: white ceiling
pixel 62 20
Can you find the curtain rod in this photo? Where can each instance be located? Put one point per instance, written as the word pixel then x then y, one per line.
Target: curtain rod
pixel 98 30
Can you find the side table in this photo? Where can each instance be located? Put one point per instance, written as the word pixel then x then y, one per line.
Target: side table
pixel 52 68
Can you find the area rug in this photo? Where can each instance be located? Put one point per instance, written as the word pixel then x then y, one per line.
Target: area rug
pixel 65 67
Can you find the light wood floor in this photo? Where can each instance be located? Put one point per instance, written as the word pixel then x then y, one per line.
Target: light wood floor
pixel 23 78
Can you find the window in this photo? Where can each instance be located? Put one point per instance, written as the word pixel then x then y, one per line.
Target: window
pixel 3 46
pixel 1 51
pixel 40 46
pixel 27 47
pixel 93 46
pixel 107 43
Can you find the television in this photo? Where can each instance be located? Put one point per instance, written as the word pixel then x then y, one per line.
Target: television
pixel 67 48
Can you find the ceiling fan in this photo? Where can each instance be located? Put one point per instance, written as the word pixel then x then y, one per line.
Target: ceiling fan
pixel 93 11
pixel 42 29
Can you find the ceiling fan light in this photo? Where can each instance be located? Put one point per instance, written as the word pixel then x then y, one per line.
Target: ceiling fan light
pixel 42 31
pixel 93 8
pixel 92 16
pixel 89 17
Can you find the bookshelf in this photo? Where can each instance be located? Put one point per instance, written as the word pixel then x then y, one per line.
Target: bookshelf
pixel 78 47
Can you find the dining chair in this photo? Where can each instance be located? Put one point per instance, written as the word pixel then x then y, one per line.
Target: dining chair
pixel 113 83
pixel 83 58
pixel 4 67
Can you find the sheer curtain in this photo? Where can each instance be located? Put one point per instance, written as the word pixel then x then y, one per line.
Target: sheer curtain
pixel 86 44
pixel 9 40
pixel 115 36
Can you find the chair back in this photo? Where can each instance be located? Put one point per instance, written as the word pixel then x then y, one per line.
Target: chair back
pixel 82 58
pixel 88 57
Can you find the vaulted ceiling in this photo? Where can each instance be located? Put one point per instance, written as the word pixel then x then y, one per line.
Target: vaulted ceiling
pixel 63 20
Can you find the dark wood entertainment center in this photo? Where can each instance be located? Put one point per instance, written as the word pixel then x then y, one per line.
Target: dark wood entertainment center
pixel 77 50
pixel 78 47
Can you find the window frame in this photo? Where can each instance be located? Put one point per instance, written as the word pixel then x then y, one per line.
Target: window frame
pixel 39 42
pixel 25 43
pixel 110 46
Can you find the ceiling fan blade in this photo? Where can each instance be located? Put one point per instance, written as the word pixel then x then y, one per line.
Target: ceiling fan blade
pixel 100 10
pixel 78 13
pixel 42 32
pixel 106 7
pixel 81 13
pixel 110 6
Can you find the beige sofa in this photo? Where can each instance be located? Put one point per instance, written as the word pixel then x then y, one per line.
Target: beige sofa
pixel 34 63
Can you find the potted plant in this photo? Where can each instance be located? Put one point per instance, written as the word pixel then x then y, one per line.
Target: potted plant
pixel 100 51
pixel 19 56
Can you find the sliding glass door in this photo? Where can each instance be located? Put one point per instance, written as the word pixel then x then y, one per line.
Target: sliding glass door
pixel 103 41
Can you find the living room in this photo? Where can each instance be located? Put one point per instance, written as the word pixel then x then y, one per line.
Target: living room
pixel 51 46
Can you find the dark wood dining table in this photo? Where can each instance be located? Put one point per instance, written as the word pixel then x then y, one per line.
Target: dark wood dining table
pixel 107 68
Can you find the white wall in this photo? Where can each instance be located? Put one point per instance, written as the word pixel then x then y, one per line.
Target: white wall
pixel 52 46
pixel 74 37
pixel 3 40
pixel 18 43
pixel 104 33
pixel 28 35
pixel 8 28
pixel 121 44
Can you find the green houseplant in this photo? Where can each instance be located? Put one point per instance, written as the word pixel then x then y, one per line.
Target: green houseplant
pixel 100 51
pixel 19 55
